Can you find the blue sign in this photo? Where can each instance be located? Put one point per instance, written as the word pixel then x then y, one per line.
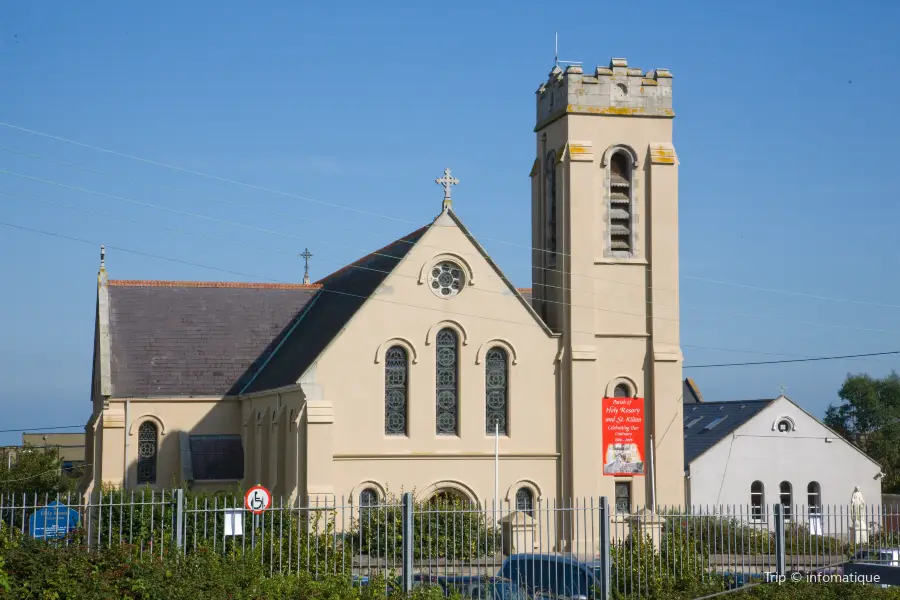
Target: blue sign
pixel 53 521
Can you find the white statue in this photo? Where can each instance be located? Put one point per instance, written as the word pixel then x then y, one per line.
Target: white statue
pixel 857 507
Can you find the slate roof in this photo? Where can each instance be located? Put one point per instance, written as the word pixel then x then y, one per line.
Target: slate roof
pixel 194 338
pixel 342 294
pixel 698 439
pixel 171 338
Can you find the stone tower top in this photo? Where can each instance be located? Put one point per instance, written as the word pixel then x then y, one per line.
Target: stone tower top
pixel 614 90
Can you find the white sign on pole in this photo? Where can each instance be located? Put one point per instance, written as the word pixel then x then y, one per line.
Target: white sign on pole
pixel 234 522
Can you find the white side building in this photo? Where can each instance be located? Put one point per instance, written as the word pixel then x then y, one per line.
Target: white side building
pixel 743 457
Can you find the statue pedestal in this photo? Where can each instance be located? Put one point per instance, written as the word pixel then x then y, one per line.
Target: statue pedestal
pixel 519 533
pixel 859 534
pixel 647 523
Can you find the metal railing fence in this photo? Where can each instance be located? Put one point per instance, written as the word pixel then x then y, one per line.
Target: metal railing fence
pixel 582 548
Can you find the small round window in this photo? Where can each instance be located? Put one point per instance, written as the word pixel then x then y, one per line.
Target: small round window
pixel 447 279
pixel 785 426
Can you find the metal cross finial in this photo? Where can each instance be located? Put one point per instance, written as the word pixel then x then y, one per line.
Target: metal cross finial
pixel 783 388
pixel 447 181
pixel 306 255
pixel 102 256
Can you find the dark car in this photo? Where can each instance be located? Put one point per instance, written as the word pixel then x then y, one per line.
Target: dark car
pixel 483 588
pixel 551 576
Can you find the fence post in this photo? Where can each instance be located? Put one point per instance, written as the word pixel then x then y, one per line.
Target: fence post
pixel 178 507
pixel 779 541
pixel 605 556
pixel 407 546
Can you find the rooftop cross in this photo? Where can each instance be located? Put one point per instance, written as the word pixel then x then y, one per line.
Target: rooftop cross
pixel 783 388
pixel 306 255
pixel 447 181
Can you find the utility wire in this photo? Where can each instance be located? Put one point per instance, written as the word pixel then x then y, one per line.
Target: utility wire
pixel 279 233
pixel 42 429
pixel 206 175
pixel 249 276
pixel 725 470
pixel 269 249
pixel 343 207
pixel 241 274
pixel 793 360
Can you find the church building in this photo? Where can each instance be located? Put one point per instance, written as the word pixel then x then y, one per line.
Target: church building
pixel 396 371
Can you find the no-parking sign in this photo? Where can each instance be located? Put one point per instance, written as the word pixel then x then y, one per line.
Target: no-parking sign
pixel 257 499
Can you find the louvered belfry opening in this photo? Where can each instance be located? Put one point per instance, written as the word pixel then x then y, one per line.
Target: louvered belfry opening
pixel 620 203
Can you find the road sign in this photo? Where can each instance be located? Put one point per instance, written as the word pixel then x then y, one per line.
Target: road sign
pixel 53 521
pixel 257 499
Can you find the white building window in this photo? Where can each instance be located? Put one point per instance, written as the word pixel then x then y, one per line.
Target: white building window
pixel 757 500
pixel 814 498
pixel 787 500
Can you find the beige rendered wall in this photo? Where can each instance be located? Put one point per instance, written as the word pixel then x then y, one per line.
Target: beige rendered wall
pixel 621 315
pixel 405 311
pixel 172 416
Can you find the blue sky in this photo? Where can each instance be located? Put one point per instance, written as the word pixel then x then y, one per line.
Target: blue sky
pixel 785 127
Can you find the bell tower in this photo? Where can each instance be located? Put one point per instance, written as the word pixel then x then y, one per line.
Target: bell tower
pixel 605 269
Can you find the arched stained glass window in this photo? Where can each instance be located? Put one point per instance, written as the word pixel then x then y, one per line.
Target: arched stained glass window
pixel 368 497
pixel 396 390
pixel 148 446
pixel 447 379
pixel 622 391
pixel 525 501
pixel 496 387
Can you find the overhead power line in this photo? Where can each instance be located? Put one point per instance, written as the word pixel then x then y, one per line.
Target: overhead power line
pixel 250 276
pixel 280 233
pixel 792 360
pixel 353 209
pixel 42 429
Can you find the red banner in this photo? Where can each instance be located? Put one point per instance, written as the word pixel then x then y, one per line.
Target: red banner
pixel 623 436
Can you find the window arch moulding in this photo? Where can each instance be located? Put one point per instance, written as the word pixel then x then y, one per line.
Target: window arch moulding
pixel 524 483
pixel 136 423
pixel 779 419
pixel 396 341
pixel 611 386
pixel 446 256
pixel 434 329
pixel 448 484
pixel 483 349
pixel 379 487
pixel 607 155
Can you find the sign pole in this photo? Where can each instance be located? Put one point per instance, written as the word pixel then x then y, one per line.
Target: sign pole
pixel 652 476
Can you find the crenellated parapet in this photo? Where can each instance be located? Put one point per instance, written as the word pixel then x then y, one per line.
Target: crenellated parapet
pixel 614 90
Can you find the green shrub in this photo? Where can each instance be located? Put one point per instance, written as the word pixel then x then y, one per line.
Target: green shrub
pixel 40 570
pixel 817 591
pixel 675 570
pixel 443 528
pixel 727 535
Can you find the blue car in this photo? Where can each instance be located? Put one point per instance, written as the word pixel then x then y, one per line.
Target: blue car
pixel 552 576
pixel 483 587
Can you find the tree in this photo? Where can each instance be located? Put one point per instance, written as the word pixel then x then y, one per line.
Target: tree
pixel 869 417
pixel 33 470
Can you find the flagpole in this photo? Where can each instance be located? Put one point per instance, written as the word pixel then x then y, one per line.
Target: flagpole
pixel 652 476
pixel 497 463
